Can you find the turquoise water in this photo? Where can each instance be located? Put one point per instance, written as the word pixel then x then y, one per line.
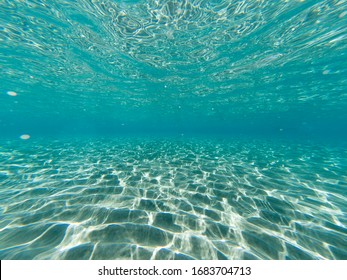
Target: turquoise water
pixel 173 129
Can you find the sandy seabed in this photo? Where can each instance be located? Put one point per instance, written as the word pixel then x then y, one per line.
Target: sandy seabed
pixel 172 199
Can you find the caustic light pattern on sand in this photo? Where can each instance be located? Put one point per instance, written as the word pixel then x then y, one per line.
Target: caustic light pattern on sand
pixel 153 199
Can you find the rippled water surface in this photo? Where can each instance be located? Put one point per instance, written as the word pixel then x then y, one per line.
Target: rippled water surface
pixel 172 61
pixel 168 129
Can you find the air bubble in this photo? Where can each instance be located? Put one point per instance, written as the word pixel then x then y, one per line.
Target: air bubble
pixel 12 93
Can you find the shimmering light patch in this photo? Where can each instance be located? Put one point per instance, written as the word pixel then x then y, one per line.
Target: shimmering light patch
pixel 25 137
pixel 342 14
pixel 12 93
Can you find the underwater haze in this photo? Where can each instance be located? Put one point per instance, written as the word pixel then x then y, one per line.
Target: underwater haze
pixel 173 129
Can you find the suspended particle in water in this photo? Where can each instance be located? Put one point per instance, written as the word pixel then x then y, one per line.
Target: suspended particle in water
pixel 25 137
pixel 12 93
